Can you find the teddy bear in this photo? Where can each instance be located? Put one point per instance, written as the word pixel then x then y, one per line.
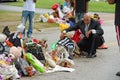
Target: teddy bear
pixel 15 52
pixel 23 67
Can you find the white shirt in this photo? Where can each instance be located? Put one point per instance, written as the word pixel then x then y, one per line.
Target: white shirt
pixel 29 5
pixel 86 27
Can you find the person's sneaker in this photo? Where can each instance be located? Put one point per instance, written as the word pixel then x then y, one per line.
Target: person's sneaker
pixel 83 53
pixel 70 57
pixel 29 35
pixel 92 56
pixel 118 73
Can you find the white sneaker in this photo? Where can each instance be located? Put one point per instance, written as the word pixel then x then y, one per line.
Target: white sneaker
pixel 29 35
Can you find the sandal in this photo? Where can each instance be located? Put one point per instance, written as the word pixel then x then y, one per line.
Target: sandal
pixel 103 47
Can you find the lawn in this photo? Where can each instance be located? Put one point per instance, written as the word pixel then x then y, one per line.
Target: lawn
pixel 40 3
pixel 12 19
pixel 93 6
pixel 101 7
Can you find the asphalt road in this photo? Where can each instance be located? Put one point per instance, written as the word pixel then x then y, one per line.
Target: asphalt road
pixel 103 67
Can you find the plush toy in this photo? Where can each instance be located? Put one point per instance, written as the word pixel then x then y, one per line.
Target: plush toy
pixel 66 63
pixel 49 59
pixel 54 56
pixel 42 18
pixel 63 26
pixel 43 42
pixel 4 61
pixel 9 68
pixel 2 37
pixel 15 52
pixel 55 6
pixel 30 71
pixel 21 64
pixel 46 15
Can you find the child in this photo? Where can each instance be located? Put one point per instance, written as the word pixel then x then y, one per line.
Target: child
pixel 96 17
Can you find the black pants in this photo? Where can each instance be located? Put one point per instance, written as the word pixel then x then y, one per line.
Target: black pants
pixel 90 44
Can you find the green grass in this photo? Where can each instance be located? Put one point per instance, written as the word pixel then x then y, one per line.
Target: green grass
pixel 40 3
pixel 12 19
pixel 101 7
pixel 9 16
pixel 93 6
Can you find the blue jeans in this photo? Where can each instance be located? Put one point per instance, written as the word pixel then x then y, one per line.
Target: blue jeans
pixel 79 16
pixel 28 15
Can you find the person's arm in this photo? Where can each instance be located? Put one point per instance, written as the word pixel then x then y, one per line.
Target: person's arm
pixel 97 29
pixel 75 27
pixel 87 2
pixel 74 7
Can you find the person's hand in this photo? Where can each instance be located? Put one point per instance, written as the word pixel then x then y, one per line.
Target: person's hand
pixel 64 32
pixel 62 35
pixel 72 13
pixel 88 33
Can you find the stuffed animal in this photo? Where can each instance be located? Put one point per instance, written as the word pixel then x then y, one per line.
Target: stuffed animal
pixel 49 59
pixel 3 37
pixel 15 52
pixel 42 18
pixel 66 63
pixel 4 61
pixel 7 67
pixel 21 64
pixel 30 71
pixel 63 26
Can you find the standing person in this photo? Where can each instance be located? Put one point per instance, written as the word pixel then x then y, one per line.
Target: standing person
pixel 80 8
pixel 67 3
pixel 92 32
pixel 117 24
pixel 67 7
pixel 28 13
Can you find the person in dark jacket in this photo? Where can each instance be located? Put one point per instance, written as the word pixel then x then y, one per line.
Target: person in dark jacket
pixel 92 32
pixel 117 24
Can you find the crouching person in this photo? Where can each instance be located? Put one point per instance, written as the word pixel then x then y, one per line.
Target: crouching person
pixel 92 32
